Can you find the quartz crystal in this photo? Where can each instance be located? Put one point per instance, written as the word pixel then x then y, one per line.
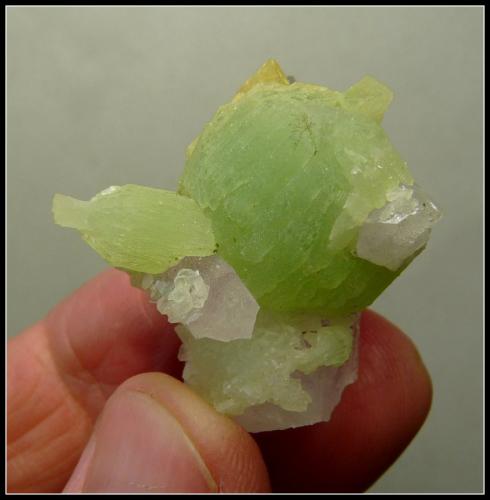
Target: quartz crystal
pixel 394 232
pixel 294 212
pixel 207 296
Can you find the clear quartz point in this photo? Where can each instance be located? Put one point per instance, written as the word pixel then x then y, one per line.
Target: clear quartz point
pixel 206 295
pixel 394 232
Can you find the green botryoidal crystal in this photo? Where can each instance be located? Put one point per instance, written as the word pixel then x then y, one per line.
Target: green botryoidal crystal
pixel 288 173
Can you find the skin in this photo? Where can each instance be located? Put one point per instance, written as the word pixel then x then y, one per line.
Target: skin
pixel 97 383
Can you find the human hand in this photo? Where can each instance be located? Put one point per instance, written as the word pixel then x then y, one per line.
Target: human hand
pixel 94 406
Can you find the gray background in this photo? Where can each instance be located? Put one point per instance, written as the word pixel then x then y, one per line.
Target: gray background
pixel 103 96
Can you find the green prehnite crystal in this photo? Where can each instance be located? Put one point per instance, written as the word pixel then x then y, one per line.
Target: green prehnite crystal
pixel 288 174
pixel 138 228
pixel 235 375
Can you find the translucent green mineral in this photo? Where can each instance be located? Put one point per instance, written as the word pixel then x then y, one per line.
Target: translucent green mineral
pixel 260 369
pixel 288 174
pixel 294 212
pixel 138 228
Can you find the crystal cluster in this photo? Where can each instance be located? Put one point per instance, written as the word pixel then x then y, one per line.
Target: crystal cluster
pixel 288 174
pixel 291 372
pixel 294 212
pixel 207 296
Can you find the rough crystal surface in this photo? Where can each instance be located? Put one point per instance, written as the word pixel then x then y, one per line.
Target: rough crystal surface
pixel 266 368
pixel 394 232
pixel 324 386
pixel 131 226
pixel 185 298
pixel 293 198
pixel 207 296
pixel 288 173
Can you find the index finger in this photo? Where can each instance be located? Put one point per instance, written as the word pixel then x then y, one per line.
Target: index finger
pixel 376 419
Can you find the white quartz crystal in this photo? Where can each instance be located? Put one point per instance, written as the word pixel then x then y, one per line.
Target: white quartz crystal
pixel 397 230
pixel 206 295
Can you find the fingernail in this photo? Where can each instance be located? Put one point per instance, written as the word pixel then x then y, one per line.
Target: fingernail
pixel 140 447
pixel 77 478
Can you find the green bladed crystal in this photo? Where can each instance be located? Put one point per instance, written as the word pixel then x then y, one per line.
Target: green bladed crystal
pixel 138 228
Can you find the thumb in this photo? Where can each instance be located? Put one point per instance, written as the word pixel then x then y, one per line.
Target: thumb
pixel 156 436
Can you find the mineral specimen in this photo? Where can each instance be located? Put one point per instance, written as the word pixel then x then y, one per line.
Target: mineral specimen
pixel 207 296
pixel 293 214
pixel 291 372
pixel 130 226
